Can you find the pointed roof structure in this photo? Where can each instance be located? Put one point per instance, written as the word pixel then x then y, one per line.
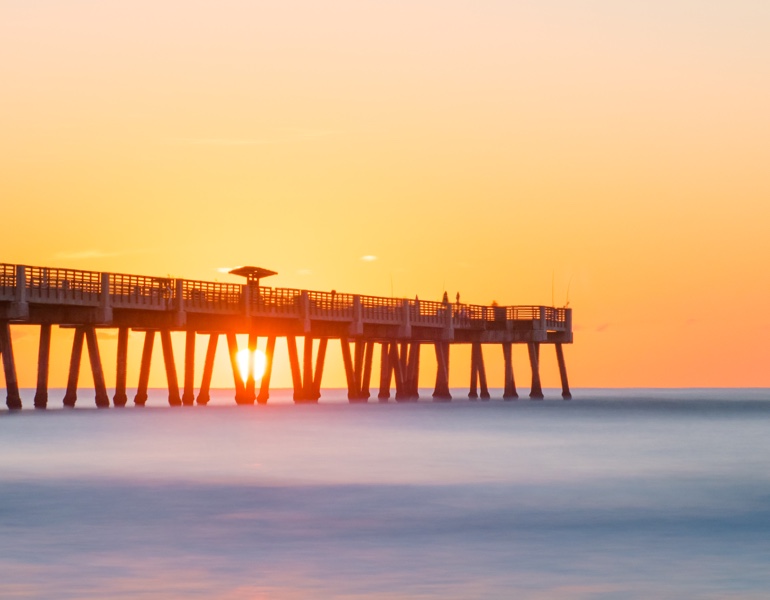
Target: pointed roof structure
pixel 253 274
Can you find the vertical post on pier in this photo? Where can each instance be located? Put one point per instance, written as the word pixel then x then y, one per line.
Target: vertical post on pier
pixel 484 393
pixel 204 394
pixel 307 370
pixel 71 395
pixel 100 387
pixel 413 371
pixel 319 367
pixel 232 347
pixel 367 375
pixel 13 399
pixel 565 393
pixel 473 393
pixel 188 396
pixel 251 395
pixel 358 368
pixel 168 360
pixel 296 375
pixel 536 391
pixel 121 398
pixel 399 369
pixel 385 372
pixel 350 372
pixel 144 368
pixel 43 361
pixel 441 391
pixel 509 391
pixel 264 388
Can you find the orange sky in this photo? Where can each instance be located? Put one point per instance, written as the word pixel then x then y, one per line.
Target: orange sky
pixel 620 149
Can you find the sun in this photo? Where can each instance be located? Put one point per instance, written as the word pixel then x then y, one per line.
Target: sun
pixel 260 362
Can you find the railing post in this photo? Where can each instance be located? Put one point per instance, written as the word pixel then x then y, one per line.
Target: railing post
pixel 357 326
pixel 181 315
pixel 246 298
pixel 304 310
pixel 105 304
pixel 406 323
pixel 20 305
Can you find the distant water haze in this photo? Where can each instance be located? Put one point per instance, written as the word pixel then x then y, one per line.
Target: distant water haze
pixel 617 494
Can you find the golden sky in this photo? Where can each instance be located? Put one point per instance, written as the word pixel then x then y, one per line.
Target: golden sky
pixel 612 154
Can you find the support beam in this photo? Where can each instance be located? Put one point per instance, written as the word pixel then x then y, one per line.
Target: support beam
pixel 144 368
pixel 484 393
pixel 121 373
pixel 43 361
pixel 264 388
pixel 441 391
pixel 359 367
pixel 509 391
pixel 473 393
pixel 413 371
pixel 386 371
pixel 13 399
pixel 188 396
pixel 168 360
pixel 319 367
pixel 240 388
pixel 204 394
pixel 565 393
pixel 536 391
pixel 399 369
pixel 251 394
pixel 367 375
pixel 308 389
pixel 350 372
pixel 71 395
pixel 296 375
pixel 100 386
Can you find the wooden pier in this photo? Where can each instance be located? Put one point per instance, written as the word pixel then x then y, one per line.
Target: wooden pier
pixel 402 328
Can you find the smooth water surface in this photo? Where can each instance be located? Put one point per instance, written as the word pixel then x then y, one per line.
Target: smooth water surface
pixel 617 494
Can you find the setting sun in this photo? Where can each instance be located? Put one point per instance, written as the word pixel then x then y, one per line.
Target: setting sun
pixel 259 363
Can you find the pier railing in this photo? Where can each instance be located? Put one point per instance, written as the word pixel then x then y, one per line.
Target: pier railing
pixel 45 285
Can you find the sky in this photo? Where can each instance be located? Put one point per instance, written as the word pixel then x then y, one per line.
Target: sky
pixel 609 155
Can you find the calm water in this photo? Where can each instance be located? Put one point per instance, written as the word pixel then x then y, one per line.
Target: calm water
pixel 617 494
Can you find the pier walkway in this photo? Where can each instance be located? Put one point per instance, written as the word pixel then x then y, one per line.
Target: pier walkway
pixel 90 300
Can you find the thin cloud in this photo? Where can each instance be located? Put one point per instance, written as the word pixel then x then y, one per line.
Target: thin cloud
pixel 369 258
pixel 287 137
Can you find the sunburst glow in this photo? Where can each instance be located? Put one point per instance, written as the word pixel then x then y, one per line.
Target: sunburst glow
pixel 260 362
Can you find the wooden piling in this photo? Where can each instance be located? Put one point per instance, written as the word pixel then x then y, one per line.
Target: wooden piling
pixel 188 396
pixel 308 392
pixel 250 392
pixel 71 395
pixel 367 375
pixel 296 375
pixel 509 391
pixel 413 371
pixel 43 361
pixel 473 393
pixel 121 372
pixel 204 393
pixel 100 386
pixel 536 391
pixel 13 399
pixel 264 388
pixel 385 372
pixel 441 390
pixel 168 360
pixel 144 368
pixel 565 393
pixel 350 372
pixel 484 392
pixel 240 388
pixel 319 367
pixel 399 369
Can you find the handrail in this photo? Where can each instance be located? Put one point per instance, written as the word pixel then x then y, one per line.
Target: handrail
pixel 54 285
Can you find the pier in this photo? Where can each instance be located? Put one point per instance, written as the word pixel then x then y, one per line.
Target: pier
pixel 402 328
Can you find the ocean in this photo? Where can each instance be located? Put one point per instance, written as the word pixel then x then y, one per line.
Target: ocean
pixel 616 494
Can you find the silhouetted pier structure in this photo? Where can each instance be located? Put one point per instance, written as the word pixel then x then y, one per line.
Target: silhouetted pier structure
pixel 89 300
